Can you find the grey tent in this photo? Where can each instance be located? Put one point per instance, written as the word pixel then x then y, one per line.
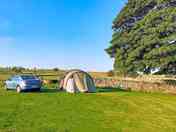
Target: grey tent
pixel 77 81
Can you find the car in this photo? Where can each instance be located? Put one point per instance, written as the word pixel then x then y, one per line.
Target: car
pixel 23 83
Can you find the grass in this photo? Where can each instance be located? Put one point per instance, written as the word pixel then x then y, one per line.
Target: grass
pixel 108 110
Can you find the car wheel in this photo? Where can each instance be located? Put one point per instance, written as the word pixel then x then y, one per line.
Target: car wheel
pixel 37 90
pixel 18 89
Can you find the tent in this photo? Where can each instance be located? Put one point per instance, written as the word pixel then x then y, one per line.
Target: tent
pixel 77 81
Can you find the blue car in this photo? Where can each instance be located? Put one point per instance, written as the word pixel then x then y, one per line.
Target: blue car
pixel 23 82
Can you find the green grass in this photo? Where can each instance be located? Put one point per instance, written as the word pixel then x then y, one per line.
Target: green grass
pixel 108 110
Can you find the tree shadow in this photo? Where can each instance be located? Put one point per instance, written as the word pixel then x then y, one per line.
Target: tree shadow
pixel 109 89
pixel 99 90
pixel 50 90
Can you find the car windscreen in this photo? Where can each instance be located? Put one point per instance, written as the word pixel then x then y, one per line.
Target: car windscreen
pixel 28 77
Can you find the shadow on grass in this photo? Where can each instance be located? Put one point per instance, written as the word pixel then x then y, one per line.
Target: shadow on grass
pixel 108 89
pixel 99 90
pixel 49 90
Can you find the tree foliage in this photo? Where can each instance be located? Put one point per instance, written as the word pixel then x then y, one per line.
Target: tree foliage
pixel 144 37
pixel 56 69
pixel 18 69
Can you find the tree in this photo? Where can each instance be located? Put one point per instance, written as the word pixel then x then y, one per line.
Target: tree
pixel 18 69
pixel 56 69
pixel 144 37
pixel 110 73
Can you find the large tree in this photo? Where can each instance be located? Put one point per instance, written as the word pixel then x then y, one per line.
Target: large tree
pixel 144 37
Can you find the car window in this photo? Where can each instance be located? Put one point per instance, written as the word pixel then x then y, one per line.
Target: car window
pixel 12 78
pixel 15 78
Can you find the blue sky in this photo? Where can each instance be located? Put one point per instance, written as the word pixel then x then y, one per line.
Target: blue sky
pixel 57 33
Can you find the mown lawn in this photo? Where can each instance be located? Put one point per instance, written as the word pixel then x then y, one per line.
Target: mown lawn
pixel 104 111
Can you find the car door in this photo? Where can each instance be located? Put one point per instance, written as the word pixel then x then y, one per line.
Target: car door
pixel 15 82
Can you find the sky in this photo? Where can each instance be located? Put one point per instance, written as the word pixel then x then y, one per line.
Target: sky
pixel 66 34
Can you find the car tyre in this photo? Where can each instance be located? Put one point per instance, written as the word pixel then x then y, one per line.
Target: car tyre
pixel 39 90
pixel 18 89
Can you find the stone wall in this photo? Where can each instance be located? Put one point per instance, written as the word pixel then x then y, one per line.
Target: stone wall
pixel 166 86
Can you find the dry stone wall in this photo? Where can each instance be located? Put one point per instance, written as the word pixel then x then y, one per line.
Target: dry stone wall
pixel 165 86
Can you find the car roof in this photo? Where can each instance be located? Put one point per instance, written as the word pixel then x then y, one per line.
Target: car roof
pixel 28 76
pixel 15 76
